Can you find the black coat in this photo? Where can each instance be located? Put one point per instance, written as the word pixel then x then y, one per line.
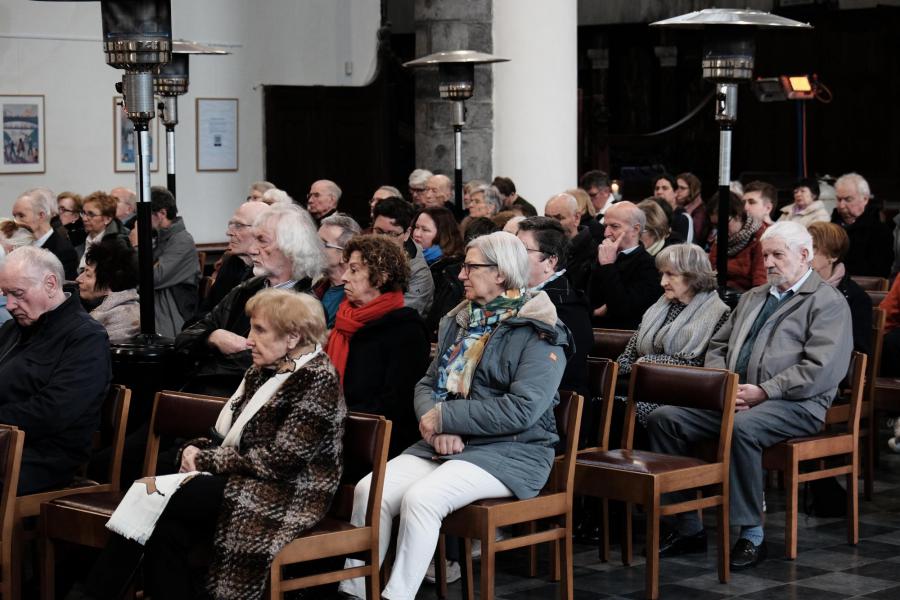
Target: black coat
pixel 65 252
pixel 627 287
pixel 871 244
pixel 54 375
pixel 209 371
pixel 573 310
pixel 232 273
pixel 387 359
pixel 860 313
pixel 448 291
pixel 582 257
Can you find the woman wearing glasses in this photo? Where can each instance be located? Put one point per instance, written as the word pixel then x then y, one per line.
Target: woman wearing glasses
pixel 69 206
pixel 485 410
pixel 378 345
pixel 98 213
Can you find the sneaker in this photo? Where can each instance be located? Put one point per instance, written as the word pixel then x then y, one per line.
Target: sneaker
pixel 452 569
pixel 894 444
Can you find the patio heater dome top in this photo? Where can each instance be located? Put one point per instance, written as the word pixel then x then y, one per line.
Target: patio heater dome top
pixel 729 16
pixel 189 47
pixel 450 57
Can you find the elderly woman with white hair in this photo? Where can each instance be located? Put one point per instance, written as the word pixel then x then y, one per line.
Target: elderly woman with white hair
pixel 484 201
pixel 485 410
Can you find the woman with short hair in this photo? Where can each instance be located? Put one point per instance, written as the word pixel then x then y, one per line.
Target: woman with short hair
pixel 746 265
pixel 108 288
pixel 98 213
pixel 436 231
pixel 69 206
pixel 806 208
pixel 657 233
pixel 379 346
pixel 485 410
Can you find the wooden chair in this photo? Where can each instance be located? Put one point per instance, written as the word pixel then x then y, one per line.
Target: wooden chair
pixel 11 442
pixel 201 257
pixel 876 296
pixel 868 433
pixel 113 421
pixel 552 506
pixel 610 343
pixel 81 518
pixel 638 477
pixel 876 284
pixel 788 456
pixel 366 441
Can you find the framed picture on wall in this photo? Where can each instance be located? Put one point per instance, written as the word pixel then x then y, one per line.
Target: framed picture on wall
pixel 217 134
pixel 23 134
pixel 124 144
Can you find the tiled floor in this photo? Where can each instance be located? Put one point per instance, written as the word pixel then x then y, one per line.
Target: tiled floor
pixel 827 568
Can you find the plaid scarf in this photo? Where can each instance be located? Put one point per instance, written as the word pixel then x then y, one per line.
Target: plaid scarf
pixel 476 324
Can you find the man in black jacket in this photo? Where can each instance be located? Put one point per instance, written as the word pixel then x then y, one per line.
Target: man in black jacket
pixel 54 369
pixel 582 251
pixel 33 209
pixel 871 241
pixel 286 253
pixel 624 282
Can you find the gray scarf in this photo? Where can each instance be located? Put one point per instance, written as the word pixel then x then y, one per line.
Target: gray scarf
pixel 687 336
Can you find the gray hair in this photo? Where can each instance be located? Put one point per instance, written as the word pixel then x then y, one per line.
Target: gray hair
pixel 507 252
pixel 793 234
pixel 858 181
pixel 261 186
pixel 570 200
pixel 276 196
pixel 297 238
pixel 419 177
pixel 42 199
pixel 348 226
pixel 491 196
pixel 332 188
pixel 631 212
pixel 691 262
pixel 391 190
pixel 38 261
pixel 20 237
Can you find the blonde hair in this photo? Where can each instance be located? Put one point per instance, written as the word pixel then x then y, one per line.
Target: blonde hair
pixel 290 312
pixel 585 206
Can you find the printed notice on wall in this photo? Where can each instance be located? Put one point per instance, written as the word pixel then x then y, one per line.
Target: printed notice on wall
pixel 217 134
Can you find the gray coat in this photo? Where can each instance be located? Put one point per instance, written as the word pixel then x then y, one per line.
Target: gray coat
pixel 803 350
pixel 176 274
pixel 420 292
pixel 507 423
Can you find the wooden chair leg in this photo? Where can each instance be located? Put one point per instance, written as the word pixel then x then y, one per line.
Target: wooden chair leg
pixel 488 564
pixel 564 547
pixel 791 474
pixel 555 563
pixel 626 536
pixel 275 581
pixel 48 570
pixel 724 549
pixel 853 505
pixel 652 509
pixel 532 553
pixel 440 564
pixel 869 466
pixel 604 539
pixel 465 565
pixel 18 550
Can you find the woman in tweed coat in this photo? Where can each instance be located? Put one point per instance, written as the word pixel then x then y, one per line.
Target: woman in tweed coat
pixel 275 482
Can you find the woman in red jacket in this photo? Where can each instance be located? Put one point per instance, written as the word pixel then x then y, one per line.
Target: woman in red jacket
pixel 746 266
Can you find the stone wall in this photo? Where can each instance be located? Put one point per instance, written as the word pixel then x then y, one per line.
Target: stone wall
pixel 456 25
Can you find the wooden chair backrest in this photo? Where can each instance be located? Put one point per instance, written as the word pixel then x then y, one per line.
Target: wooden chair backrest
pixel 877 296
pixel 113 424
pixel 688 387
pixel 610 343
pixel 849 413
pixel 879 318
pixel 12 440
pixel 366 442
pixel 179 415
pixel 568 427
pixel 876 284
pixel 602 374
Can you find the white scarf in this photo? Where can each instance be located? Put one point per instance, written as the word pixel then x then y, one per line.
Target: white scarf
pixel 231 430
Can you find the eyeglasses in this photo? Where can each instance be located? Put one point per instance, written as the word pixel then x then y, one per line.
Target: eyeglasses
pixel 413 190
pixel 237 225
pixel 89 215
pixel 332 246
pixel 467 267
pixel 67 211
pixel 393 234
pixel 315 195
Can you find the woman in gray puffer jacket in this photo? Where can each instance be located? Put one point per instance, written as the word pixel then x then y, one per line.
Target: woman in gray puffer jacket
pixel 485 410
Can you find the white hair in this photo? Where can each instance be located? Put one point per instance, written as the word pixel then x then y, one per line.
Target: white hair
pixel 794 235
pixel 276 196
pixel 37 261
pixel 512 226
pixel 347 224
pixel 419 177
pixel 42 199
pixel 390 190
pixel 491 196
pixel 507 252
pixel 569 199
pixel 631 212
pixel 858 182
pixel 297 238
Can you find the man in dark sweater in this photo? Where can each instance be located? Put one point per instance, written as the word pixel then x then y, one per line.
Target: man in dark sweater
pixel 54 369
pixel 871 241
pixel 624 282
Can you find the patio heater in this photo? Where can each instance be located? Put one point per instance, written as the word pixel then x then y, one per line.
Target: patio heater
pixel 456 75
pixel 169 82
pixel 728 49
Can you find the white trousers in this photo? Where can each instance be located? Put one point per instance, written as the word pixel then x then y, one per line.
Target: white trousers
pixel 422 492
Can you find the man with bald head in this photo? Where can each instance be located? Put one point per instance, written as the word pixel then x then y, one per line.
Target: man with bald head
pixel 322 199
pixel 624 280
pixel 126 205
pixel 54 369
pixel 439 193
pixel 583 249
pixel 236 264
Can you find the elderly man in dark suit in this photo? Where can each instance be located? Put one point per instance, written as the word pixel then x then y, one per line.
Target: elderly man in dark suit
pixel 33 209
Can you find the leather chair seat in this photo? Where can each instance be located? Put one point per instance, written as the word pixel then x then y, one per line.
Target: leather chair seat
pixel 104 503
pixel 638 461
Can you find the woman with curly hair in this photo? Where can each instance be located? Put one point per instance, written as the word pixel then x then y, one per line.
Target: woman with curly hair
pixel 379 346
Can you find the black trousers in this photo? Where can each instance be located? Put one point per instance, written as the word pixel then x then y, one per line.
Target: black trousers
pixel 188 522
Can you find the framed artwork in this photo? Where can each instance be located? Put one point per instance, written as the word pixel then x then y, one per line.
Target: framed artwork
pixel 23 134
pixel 124 144
pixel 217 134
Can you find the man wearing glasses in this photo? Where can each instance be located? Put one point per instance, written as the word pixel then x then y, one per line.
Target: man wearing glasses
pixel 393 218
pixel 418 186
pixel 334 233
pixel 322 199
pixel 596 184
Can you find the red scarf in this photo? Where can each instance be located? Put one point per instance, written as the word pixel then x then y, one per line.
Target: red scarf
pixel 351 319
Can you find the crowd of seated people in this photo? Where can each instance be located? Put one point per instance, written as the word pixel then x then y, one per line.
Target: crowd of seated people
pixel 511 312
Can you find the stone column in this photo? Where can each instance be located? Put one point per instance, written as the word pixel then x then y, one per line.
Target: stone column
pixel 536 96
pixel 454 25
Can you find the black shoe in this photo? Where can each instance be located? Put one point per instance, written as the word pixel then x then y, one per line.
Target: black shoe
pixel 746 554
pixel 675 544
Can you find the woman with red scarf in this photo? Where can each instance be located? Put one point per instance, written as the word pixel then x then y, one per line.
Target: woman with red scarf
pixel 379 347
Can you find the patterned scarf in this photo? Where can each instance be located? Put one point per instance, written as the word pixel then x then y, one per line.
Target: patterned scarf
pixel 739 240
pixel 351 319
pixel 476 324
